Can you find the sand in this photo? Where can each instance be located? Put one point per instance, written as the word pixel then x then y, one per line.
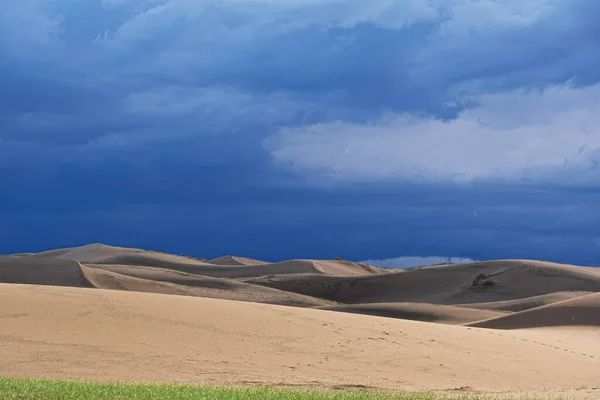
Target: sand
pixel 419 312
pixel 111 335
pixel 110 313
pixel 527 302
pixel 580 311
pixel 453 284
pixel 234 260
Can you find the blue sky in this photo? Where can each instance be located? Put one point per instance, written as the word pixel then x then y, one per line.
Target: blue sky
pixel 303 128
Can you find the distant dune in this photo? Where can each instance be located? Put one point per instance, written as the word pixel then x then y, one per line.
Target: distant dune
pixel 527 302
pixel 233 260
pixel 419 312
pixel 452 284
pixel 89 253
pixel 105 312
pixel 154 280
pixel 452 293
pixel 580 311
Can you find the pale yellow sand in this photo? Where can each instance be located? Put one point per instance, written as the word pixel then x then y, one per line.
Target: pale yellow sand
pixel 78 333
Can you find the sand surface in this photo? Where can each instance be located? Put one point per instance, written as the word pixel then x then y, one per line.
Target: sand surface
pixel 419 312
pixel 111 335
pixel 109 313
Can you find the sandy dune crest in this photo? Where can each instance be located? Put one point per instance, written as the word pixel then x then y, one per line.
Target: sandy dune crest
pixel 451 294
pixel 235 260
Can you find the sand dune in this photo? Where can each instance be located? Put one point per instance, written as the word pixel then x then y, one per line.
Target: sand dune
pixel 452 284
pixel 62 272
pixel 155 280
pixel 88 253
pixel 580 311
pixel 419 312
pixel 157 260
pixel 75 333
pixel 41 271
pixel 104 312
pixel 104 254
pixel 241 271
pixel 526 303
pixel 509 285
pixel 234 260
pixel 224 267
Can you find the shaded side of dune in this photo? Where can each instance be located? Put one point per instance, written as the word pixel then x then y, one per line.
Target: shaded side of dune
pixel 153 280
pixel 581 311
pixel 42 271
pixel 526 303
pixel 453 284
pixel 419 312
pixel 238 271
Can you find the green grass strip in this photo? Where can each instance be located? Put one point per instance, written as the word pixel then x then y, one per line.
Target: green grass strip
pixel 28 389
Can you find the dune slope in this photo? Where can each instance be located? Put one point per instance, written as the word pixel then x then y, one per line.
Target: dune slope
pixel 234 260
pixel 452 284
pixel 88 253
pixel 479 290
pixel 41 271
pixel 580 311
pixel 527 303
pixel 154 280
pixel 240 271
pixel 75 333
pixel 419 312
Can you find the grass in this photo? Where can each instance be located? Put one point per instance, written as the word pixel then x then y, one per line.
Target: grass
pixel 27 389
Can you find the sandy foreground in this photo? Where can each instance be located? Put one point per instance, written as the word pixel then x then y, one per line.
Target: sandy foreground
pixel 76 318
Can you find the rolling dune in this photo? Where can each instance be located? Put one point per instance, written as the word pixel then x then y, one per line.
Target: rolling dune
pixel 419 312
pixel 75 333
pixel 478 290
pixel 526 303
pixel 110 313
pixel 154 280
pixel 241 271
pixel 451 284
pixel 580 311
pixel 234 260
pixel 88 253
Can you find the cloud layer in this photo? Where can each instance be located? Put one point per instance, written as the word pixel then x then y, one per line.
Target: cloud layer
pixel 539 135
pixel 366 129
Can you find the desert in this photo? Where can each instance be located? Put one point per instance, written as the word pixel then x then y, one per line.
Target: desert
pixel 105 313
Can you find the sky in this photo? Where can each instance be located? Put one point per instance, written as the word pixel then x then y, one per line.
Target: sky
pixel 392 130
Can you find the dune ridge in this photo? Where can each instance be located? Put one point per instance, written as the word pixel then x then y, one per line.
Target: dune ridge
pixel 527 302
pixel 450 284
pixel 235 260
pixel 177 283
pixel 579 311
pixel 113 313
pixel 419 312
pixel 474 293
